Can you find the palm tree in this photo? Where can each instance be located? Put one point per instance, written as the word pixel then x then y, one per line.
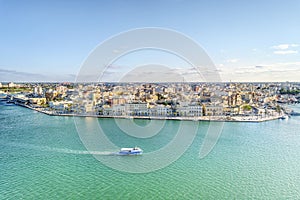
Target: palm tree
pixel 278 109
pixel 203 110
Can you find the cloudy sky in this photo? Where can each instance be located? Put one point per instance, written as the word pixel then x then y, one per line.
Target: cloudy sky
pixel 246 40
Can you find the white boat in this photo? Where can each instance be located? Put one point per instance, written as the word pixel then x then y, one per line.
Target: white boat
pixel 131 151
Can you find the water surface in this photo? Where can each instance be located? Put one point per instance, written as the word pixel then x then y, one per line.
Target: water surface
pixel 42 157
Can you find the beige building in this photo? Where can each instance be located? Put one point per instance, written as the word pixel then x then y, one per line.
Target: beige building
pixel 213 110
pixel 38 101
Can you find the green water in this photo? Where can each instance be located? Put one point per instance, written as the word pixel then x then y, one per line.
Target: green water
pixel 42 157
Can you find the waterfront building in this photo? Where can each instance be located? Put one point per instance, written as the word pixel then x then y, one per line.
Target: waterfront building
pixel 119 110
pixel 107 110
pixel 231 110
pixel 136 109
pixel 167 99
pixel 37 101
pixel 160 110
pixel 60 105
pixel 195 110
pixel 20 99
pixel 213 109
pixel 189 110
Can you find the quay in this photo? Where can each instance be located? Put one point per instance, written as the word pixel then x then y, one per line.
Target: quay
pixel 199 118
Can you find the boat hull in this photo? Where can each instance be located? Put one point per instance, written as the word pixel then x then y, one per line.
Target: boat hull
pixel 130 151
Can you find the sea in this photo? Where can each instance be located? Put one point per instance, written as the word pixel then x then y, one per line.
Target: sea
pixel 45 157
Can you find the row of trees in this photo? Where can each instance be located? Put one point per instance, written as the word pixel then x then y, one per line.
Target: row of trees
pixel 285 91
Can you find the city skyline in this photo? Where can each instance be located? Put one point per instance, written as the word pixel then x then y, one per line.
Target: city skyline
pixel 248 41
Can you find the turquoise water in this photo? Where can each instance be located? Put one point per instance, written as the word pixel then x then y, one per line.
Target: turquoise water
pixel 42 157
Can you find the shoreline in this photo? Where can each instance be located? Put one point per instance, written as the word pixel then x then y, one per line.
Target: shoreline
pixel 253 119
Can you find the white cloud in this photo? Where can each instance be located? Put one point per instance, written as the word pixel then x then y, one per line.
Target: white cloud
pixel 284 49
pixel 281 71
pixel 281 46
pixel 284 52
pixel 284 46
pixel 234 60
pixel 7 75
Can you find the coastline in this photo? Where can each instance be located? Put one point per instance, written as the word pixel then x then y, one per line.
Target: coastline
pixel 255 119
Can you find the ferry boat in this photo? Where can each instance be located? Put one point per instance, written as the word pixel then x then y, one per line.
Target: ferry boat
pixel 131 151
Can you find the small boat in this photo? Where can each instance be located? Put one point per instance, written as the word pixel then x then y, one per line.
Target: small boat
pixel 131 151
pixel 284 117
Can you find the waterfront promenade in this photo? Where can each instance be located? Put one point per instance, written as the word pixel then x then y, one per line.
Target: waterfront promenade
pixel 198 118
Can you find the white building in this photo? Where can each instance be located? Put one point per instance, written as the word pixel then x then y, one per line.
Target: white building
pixel 89 107
pixel 108 111
pixel 160 110
pixel 195 110
pixel 11 84
pixel 60 105
pixel 136 109
pixel 118 110
pixel 38 90
pixel 190 111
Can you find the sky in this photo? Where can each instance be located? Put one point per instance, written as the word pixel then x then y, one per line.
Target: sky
pixel 255 40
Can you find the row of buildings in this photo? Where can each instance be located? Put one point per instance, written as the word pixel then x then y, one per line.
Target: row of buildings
pixel 159 99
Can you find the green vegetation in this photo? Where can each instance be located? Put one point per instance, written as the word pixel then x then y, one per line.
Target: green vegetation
pixel 160 97
pixel 278 109
pixel 15 89
pixel 247 107
pixel 45 105
pixel 293 92
pixel 204 110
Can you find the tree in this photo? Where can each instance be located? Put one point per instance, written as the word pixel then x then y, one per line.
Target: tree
pixel 247 107
pixel 278 109
pixel 204 110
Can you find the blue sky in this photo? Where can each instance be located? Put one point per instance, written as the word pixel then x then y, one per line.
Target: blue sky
pixel 247 40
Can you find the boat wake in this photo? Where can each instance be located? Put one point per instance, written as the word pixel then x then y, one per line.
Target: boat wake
pixel 60 150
